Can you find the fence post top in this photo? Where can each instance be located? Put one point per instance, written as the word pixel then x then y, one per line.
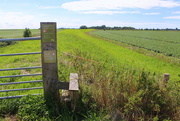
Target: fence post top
pixel 47 22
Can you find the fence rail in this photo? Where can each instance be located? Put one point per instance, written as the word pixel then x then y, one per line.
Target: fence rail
pixel 21 54
pixel 21 89
pixel 19 96
pixel 20 75
pixel 20 39
pixel 10 69
pixel 20 82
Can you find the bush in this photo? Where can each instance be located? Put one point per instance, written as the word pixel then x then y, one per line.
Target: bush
pixel 32 108
pixel 27 33
pixel 3 44
pixel 83 27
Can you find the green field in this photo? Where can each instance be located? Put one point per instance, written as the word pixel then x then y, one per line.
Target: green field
pixel 113 76
pixel 166 42
pixel 16 33
pixel 116 54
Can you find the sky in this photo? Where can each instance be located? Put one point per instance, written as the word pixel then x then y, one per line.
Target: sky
pixel 19 14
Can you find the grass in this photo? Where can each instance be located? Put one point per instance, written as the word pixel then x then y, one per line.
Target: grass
pixel 115 81
pixel 125 79
pixel 136 94
pixel 117 55
pixel 16 33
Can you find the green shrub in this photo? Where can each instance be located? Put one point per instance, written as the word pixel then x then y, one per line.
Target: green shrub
pixel 27 33
pixel 32 108
pixel 8 106
pixel 3 44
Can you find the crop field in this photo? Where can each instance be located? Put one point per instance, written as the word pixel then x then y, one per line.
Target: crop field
pixel 166 42
pixel 16 33
pixel 111 75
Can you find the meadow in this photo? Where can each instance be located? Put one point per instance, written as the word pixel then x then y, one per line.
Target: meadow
pixel 115 80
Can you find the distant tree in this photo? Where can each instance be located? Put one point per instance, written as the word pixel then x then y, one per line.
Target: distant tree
pixel 103 27
pixel 27 33
pixel 128 28
pixel 83 27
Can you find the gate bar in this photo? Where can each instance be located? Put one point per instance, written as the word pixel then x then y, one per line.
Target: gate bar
pixel 21 39
pixel 20 75
pixel 21 89
pixel 20 68
pixel 19 96
pixel 20 54
pixel 20 82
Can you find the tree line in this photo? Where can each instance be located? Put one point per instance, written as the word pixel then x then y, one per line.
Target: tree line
pixel 103 27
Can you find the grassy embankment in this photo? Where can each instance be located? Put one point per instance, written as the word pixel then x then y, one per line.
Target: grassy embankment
pixel 113 78
pixel 119 56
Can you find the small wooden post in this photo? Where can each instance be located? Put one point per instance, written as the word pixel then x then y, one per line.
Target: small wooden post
pixel 166 78
pixel 70 94
pixel 49 66
pixel 73 88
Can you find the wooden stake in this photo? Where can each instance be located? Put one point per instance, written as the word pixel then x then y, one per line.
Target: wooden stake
pixel 166 78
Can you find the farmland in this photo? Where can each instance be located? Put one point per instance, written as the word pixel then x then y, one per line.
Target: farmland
pixel 16 33
pixel 166 42
pixel 112 77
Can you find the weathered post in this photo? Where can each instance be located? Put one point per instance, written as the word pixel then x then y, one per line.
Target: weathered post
pixel 49 67
pixel 166 78
pixel 163 83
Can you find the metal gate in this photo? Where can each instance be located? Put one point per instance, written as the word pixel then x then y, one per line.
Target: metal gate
pixel 51 84
pixel 14 76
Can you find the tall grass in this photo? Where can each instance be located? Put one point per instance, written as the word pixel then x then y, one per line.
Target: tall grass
pixel 105 90
pixel 135 94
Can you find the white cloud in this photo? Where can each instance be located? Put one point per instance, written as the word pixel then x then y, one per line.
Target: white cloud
pixel 15 20
pixel 10 13
pixel 109 12
pixel 84 5
pixel 117 12
pixel 172 17
pixel 49 7
pixel 151 13
pixel 176 12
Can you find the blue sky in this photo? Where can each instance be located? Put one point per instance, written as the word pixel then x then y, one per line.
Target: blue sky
pixel 18 14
